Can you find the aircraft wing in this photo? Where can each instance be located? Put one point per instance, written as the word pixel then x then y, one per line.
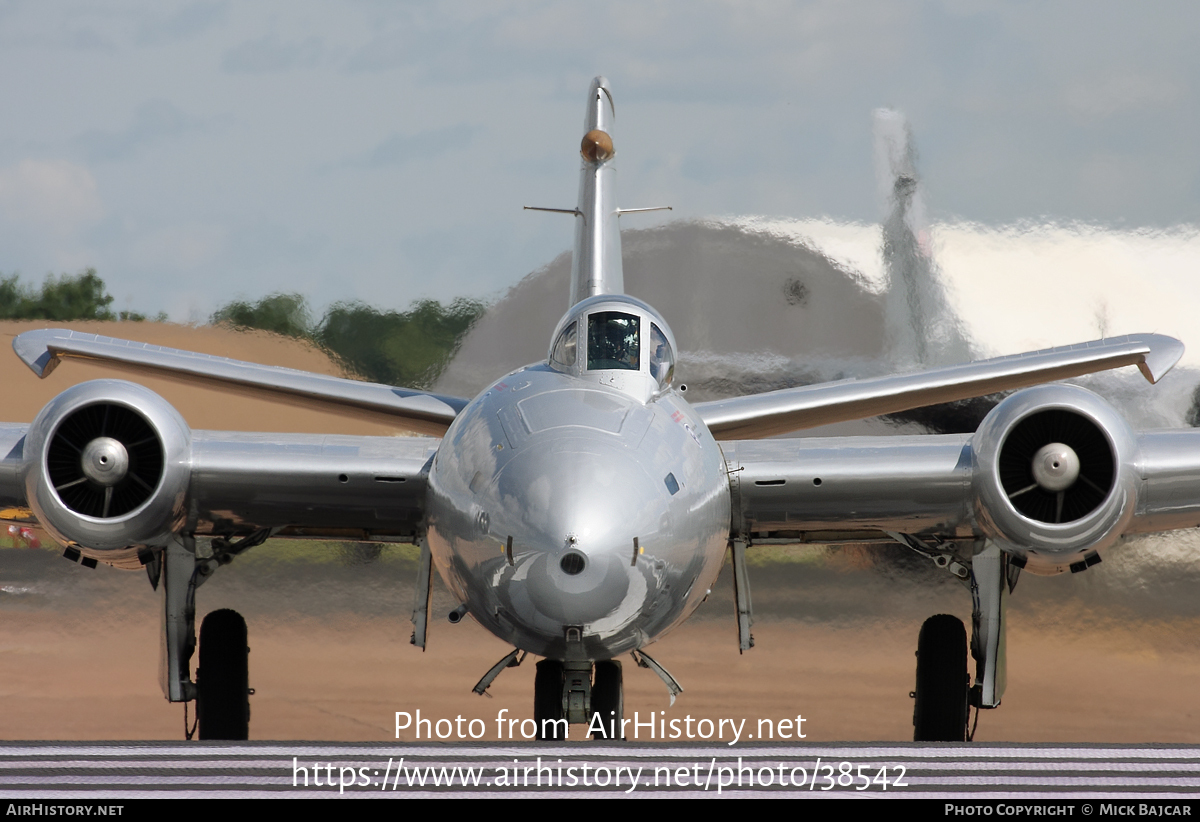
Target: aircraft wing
pixel 420 411
pixel 1054 472
pixel 863 489
pixel 338 487
pixel 851 489
pixel 222 483
pixel 791 409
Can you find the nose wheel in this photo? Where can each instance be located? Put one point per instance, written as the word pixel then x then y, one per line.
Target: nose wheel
pixel 601 705
pixel 223 678
pixel 943 684
pixel 548 700
pixel 608 701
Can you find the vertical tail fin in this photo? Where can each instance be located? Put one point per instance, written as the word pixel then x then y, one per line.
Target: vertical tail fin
pixel 596 266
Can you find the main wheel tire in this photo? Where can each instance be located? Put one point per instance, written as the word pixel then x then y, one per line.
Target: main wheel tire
pixel 548 700
pixel 608 700
pixel 943 685
pixel 223 677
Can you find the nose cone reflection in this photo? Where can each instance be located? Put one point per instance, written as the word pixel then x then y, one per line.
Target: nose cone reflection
pixel 577 599
pixel 581 512
pixel 572 520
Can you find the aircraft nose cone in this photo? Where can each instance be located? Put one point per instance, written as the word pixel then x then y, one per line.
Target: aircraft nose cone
pixel 576 589
pixel 585 510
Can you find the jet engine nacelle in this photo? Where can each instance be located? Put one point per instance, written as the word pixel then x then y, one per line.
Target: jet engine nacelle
pixel 1054 477
pixel 106 468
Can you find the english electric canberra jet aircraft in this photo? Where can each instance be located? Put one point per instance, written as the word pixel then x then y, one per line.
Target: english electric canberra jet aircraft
pixel 579 508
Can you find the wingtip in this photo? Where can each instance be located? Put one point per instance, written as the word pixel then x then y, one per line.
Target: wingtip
pixel 1164 353
pixel 33 347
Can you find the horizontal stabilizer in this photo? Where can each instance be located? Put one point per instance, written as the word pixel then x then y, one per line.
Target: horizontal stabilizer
pixel 420 411
pixel 792 409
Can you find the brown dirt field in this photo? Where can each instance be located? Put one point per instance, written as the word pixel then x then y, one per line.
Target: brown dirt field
pixel 343 677
pixel 202 407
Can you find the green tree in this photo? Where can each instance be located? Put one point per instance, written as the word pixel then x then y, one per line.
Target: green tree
pixel 81 296
pixel 408 348
pixel 286 314
pixel 398 348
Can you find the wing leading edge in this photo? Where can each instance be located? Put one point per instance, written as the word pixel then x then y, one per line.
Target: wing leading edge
pixel 822 490
pixel 792 409
pixel 850 489
pixel 234 484
pixel 300 485
pixel 421 411
pixel 1054 474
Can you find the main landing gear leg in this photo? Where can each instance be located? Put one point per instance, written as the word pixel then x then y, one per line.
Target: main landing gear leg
pixel 741 595
pixel 221 692
pixel 179 620
pixel 992 580
pixel 943 694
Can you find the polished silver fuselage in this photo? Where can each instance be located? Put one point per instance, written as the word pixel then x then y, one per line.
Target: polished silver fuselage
pixel 564 466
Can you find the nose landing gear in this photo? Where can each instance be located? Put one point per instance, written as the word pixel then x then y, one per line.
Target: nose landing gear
pixel 548 710
pixel 608 701
pixel 588 693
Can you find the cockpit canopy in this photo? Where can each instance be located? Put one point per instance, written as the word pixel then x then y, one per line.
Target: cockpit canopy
pixel 618 341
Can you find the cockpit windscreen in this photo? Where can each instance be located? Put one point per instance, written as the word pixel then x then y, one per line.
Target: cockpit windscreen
pixel 614 341
pixel 662 359
pixel 564 348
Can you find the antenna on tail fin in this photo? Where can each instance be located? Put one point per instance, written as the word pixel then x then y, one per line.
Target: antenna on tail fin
pixel 596 263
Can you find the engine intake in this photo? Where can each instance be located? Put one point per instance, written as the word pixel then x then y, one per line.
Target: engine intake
pixel 1056 466
pixel 1053 474
pixel 104 460
pixel 107 466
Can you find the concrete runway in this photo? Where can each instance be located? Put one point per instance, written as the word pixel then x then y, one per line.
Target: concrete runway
pixel 111 771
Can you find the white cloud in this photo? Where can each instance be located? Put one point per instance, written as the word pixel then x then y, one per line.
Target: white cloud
pixel 56 197
pixel 1122 94
pixel 270 54
pixel 179 247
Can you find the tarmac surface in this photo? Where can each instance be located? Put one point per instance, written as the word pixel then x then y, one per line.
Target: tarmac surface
pixel 1039 773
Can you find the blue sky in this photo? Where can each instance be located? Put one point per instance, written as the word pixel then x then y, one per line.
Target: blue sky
pixel 194 151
